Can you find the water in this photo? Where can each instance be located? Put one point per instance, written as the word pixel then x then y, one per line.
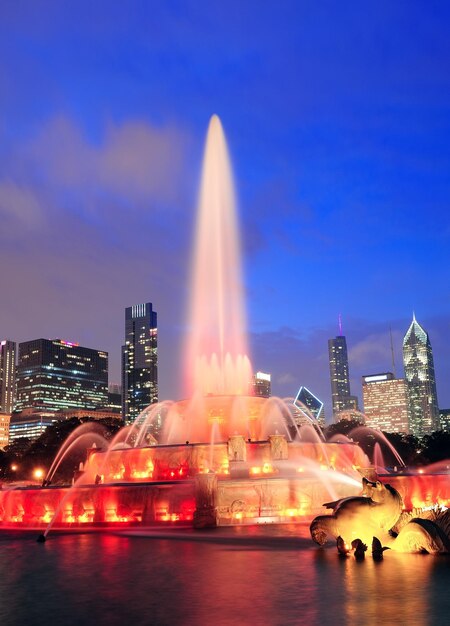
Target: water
pixel 255 575
pixel 216 344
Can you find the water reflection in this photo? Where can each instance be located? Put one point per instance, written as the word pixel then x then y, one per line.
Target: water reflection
pixel 232 576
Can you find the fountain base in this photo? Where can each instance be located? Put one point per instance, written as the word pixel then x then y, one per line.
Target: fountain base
pixel 235 482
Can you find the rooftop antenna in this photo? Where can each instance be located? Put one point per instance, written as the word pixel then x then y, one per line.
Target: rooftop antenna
pixel 392 352
pixel 340 324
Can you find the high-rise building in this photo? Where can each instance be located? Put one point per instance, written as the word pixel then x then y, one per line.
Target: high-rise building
pixel 5 418
pixel 261 385
pixel 139 360
pixel 386 402
pixel 341 398
pixel 419 374
pixel 444 416
pixel 7 376
pixel 309 405
pixel 56 374
pixel 115 398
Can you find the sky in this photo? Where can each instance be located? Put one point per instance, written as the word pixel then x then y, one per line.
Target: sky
pixel 337 117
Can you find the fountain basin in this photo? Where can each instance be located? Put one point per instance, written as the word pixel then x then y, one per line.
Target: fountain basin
pixel 228 483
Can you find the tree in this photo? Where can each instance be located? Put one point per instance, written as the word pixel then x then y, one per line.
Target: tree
pixel 436 446
pixel 343 427
pixel 28 455
pixel 407 446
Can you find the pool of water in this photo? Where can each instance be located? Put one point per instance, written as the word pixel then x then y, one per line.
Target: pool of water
pixel 252 575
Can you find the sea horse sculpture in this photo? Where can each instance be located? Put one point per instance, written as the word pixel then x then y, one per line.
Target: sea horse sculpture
pixel 423 530
pixel 360 517
pixel 378 513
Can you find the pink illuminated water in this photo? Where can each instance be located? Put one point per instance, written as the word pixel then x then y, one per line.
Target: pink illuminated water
pixel 216 360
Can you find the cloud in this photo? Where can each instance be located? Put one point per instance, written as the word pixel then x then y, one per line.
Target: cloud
pixel 286 378
pixel 133 160
pixel 371 349
pixel 19 204
pixel 90 227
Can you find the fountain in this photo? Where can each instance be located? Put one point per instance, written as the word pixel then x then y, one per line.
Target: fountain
pixel 224 457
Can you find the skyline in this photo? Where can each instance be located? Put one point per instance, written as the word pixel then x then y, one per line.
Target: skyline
pixel 339 138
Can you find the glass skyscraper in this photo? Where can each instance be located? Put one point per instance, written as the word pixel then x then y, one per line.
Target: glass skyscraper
pixel 139 360
pixel 419 374
pixel 56 374
pixel 339 375
pixel 7 376
pixel 310 405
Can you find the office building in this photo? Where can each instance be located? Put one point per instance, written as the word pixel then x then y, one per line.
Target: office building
pixel 53 375
pixel 4 430
pixel 386 402
pixel 30 424
pixel 7 376
pixel 444 417
pixel 420 378
pixel 310 406
pixel 115 398
pixel 341 398
pixel 261 385
pixel 139 360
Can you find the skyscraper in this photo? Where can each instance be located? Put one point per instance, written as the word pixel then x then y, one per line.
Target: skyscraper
pixel 386 402
pixel 53 374
pixel 261 385
pixel 309 405
pixel 419 374
pixel 139 360
pixel 339 375
pixel 7 376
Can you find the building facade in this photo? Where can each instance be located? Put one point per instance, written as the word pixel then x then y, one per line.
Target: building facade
pixel 421 381
pixel 7 376
pixel 115 398
pixel 5 419
pixel 139 360
pixel 54 375
pixel 310 405
pixel 444 416
pixel 30 424
pixel 261 385
pixel 386 402
pixel 341 398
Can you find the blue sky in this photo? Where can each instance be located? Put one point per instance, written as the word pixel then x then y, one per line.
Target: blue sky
pixel 338 121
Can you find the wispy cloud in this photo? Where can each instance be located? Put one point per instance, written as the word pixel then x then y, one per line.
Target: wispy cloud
pixel 133 160
pixel 19 205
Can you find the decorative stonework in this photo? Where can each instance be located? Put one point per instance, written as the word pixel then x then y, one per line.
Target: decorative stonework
pixel 278 447
pixel 237 449
pixel 205 514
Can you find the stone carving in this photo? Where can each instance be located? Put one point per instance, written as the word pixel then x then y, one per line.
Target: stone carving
pixel 376 517
pixel 237 450
pixel 205 514
pixel 278 447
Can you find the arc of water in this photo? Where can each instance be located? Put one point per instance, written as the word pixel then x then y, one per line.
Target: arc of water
pixel 95 437
pixel 87 426
pixel 365 430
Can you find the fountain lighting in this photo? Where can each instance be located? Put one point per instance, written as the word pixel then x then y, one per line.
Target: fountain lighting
pixel 38 473
pixel 224 456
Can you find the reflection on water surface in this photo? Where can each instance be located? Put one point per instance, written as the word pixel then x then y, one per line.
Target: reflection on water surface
pixel 259 575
